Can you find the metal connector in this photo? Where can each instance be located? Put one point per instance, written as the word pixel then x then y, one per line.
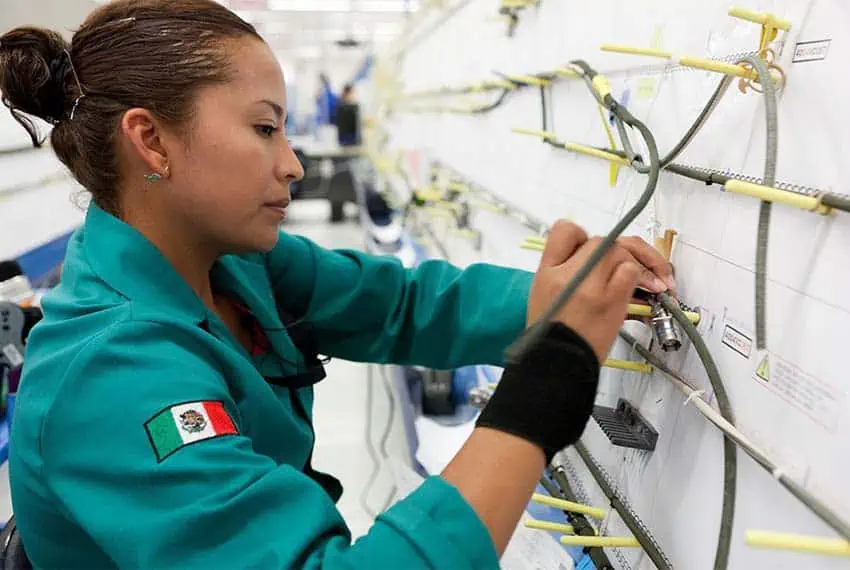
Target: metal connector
pixel 664 327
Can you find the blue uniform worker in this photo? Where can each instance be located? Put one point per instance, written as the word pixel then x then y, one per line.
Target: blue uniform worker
pixel 125 345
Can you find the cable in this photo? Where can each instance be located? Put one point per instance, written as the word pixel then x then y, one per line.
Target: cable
pixel 637 528
pixel 538 329
pixel 730 457
pixel 580 524
pixel 386 435
pixel 373 454
pixel 814 504
pixel 771 131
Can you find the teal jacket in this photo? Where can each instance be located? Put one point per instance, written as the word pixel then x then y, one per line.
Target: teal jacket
pixel 146 436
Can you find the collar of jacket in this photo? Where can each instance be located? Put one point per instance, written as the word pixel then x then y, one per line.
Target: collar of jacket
pixel 129 263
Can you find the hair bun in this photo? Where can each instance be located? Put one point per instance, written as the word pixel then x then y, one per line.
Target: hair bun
pixel 34 68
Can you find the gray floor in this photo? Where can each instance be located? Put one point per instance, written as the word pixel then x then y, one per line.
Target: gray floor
pixel 340 409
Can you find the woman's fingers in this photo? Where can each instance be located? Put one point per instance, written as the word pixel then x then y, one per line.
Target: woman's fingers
pixel 563 241
pixel 659 274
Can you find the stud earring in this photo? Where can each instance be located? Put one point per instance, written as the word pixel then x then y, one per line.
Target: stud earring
pixel 153 177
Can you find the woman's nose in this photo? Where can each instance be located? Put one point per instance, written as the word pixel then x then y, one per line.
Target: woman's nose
pixel 290 167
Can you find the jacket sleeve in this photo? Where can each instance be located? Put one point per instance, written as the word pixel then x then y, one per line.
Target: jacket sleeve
pixel 216 503
pixel 371 309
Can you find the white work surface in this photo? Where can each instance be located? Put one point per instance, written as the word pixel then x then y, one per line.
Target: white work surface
pixel 801 415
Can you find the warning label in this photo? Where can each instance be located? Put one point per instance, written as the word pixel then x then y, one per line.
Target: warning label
pixel 817 399
pixel 763 370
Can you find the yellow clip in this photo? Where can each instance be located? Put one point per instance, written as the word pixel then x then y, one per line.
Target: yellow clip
pixel 451 206
pixel 830 546
pixel 628 365
pixel 600 83
pixel 429 195
pixel 687 61
pixel 595 152
pixel 498 83
pixel 614 169
pixel 546 525
pixel 759 18
pixel 600 541
pixel 637 310
pixel 545 135
pixel 458 187
pixel 770 194
pixel 567 72
pixel 533 245
pixel 530 80
pixel 466 233
pixel 495 208
pixel 568 506
pixel 518 3
pixel 616 48
pixel 536 239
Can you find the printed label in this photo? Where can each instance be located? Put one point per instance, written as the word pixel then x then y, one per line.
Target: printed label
pixel 13 355
pixel 811 51
pixel 815 398
pixel 737 341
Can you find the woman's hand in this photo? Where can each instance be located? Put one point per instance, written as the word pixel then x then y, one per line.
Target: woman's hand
pixel 599 306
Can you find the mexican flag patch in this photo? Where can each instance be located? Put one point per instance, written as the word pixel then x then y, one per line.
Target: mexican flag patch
pixel 184 424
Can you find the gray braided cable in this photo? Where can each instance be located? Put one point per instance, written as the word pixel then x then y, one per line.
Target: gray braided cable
pixel 772 143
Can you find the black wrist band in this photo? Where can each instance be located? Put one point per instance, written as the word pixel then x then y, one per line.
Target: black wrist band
pixel 547 397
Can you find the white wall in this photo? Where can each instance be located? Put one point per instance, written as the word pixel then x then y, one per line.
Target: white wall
pixel 676 490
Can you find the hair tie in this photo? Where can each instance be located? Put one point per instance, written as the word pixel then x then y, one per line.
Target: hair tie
pixel 60 66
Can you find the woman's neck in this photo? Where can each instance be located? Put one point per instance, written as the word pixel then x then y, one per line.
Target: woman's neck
pixel 190 255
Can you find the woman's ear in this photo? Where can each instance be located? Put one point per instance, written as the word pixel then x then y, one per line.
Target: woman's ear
pixel 146 137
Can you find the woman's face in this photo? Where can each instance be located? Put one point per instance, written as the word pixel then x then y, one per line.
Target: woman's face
pixel 231 179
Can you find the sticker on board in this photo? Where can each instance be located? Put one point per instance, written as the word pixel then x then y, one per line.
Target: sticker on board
pixel 811 51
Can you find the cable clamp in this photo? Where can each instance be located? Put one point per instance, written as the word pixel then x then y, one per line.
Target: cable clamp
pixel 819 207
pixel 692 396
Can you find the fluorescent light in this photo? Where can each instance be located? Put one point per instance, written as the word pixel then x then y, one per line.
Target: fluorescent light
pixel 398 6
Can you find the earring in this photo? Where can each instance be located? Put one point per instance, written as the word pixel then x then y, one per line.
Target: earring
pixel 153 177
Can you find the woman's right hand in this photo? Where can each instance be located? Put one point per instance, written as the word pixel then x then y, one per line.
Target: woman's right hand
pixel 598 308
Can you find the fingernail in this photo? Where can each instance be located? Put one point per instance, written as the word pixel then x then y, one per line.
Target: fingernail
pixel 659 285
pixel 671 282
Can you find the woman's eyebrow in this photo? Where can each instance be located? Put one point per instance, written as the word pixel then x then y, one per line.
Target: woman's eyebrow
pixel 276 107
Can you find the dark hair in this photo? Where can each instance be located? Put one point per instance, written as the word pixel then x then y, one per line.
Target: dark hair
pixel 348 88
pixel 153 54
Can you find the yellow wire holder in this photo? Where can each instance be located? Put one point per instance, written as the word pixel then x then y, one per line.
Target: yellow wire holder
pixel 513 4
pixel 566 72
pixel 428 195
pixel 488 206
pixel 800 543
pixel 600 541
pixel 690 61
pixel 568 506
pixel 529 80
pixel 776 195
pixel 546 525
pixel 574 147
pixel 466 233
pixel 628 365
pixel 761 18
pixel 532 245
pixel 458 187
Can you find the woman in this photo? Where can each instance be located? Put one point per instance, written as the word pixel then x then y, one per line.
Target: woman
pixel 164 417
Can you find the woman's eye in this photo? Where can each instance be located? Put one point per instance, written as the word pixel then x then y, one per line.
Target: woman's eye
pixel 267 130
